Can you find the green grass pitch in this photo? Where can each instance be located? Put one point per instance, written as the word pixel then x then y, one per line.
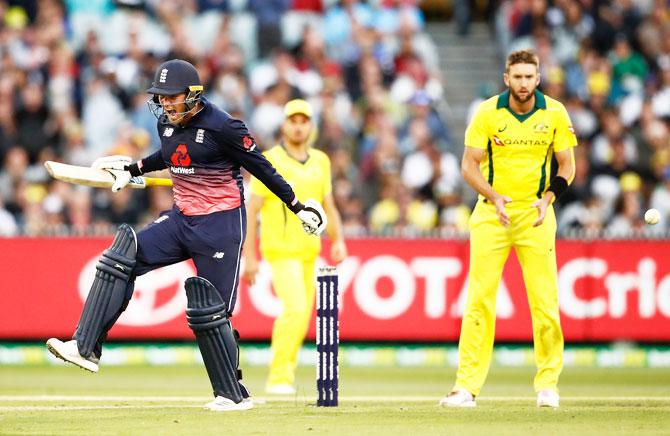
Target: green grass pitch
pixel 63 400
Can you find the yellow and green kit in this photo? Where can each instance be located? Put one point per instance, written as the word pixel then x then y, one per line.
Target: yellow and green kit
pixel 291 254
pixel 517 164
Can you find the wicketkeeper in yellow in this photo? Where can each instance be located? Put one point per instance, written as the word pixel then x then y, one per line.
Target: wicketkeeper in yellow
pixel 291 255
pixel 509 146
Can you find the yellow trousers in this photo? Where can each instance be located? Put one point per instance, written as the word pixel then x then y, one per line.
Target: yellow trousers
pixel 490 244
pixel 293 282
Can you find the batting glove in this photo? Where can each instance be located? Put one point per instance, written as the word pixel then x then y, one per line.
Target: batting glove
pixel 116 165
pixel 313 217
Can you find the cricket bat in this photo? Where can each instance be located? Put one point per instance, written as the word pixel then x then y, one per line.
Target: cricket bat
pixel 97 178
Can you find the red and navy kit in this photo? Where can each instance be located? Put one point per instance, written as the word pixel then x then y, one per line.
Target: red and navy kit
pixel 208 222
pixel 204 159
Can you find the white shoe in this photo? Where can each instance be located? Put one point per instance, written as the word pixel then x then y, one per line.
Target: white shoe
pixel 69 352
pixel 458 398
pixel 548 398
pixel 280 389
pixel 223 404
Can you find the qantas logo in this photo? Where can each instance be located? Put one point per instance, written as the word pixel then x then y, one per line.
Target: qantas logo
pixel 513 141
pixel 248 143
pixel 180 157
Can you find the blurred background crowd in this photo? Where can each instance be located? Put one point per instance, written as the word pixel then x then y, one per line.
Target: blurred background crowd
pixel 73 75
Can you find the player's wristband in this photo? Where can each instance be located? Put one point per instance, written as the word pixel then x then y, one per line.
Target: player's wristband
pixel 558 186
pixel 296 206
pixel 133 169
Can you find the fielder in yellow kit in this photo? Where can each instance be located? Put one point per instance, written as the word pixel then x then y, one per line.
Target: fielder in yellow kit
pixel 509 146
pixel 291 255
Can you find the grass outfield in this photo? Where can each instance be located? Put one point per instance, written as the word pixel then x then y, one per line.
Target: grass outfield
pixel 389 401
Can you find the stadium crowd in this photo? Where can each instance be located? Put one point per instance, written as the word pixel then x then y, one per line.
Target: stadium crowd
pixel 73 75
pixel 609 62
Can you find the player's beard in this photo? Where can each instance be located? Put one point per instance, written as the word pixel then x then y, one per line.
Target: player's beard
pixel 522 100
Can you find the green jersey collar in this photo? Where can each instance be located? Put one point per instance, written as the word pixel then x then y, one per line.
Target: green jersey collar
pixel 283 146
pixel 503 100
pixel 540 103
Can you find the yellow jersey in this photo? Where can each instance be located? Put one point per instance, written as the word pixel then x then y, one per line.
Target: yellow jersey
pixel 519 148
pixel 281 232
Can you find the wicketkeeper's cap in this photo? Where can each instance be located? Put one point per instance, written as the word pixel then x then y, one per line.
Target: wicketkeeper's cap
pixel 174 77
pixel 298 106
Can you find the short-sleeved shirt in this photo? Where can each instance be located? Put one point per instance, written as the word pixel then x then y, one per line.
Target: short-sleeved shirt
pixel 281 233
pixel 519 148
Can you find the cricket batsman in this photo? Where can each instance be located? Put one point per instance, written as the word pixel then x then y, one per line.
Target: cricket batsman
pixel 289 251
pixel 509 147
pixel 204 149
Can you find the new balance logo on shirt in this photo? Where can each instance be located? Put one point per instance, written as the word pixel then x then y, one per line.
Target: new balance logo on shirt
pixel 160 219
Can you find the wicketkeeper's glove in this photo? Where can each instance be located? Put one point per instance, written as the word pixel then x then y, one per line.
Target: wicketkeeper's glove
pixel 116 165
pixel 313 217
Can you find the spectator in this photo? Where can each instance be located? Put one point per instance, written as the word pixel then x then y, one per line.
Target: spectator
pixel 629 69
pixel 420 108
pixel 660 199
pixel 99 131
pixel 269 114
pixel 627 220
pixel 121 207
pixel 12 178
pixel 34 129
pixel 586 217
pixel 268 16
pixel 370 71
pixel 8 225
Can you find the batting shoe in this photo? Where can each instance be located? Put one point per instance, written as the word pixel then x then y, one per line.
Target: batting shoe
pixel 280 389
pixel 548 398
pixel 459 398
pixel 69 352
pixel 223 404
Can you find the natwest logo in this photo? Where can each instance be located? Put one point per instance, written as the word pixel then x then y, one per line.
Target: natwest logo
pixel 180 157
pixel 182 170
